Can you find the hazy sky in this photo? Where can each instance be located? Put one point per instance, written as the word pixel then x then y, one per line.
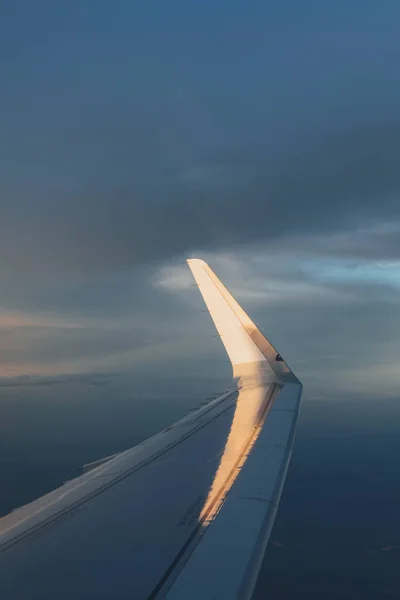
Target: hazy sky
pixel 261 136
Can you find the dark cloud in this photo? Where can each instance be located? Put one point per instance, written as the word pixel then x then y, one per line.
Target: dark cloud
pixel 342 182
pixel 123 144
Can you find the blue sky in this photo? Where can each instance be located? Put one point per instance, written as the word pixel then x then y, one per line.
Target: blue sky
pixel 262 136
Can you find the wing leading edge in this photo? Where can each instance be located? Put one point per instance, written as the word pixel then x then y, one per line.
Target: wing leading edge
pixel 186 514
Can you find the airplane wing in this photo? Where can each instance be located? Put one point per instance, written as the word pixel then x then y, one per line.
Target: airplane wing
pixel 184 515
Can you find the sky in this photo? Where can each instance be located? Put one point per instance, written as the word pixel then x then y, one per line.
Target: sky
pixel 263 137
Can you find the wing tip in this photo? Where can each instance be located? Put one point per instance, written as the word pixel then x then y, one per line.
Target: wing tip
pixel 259 348
pixel 196 262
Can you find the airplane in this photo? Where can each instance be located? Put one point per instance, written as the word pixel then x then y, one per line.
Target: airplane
pixel 186 514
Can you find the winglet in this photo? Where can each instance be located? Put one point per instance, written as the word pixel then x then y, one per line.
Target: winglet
pixel 243 341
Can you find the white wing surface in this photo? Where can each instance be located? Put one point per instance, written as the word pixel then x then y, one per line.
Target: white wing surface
pixel 184 515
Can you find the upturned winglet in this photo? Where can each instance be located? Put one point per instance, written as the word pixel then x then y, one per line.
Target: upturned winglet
pixel 242 339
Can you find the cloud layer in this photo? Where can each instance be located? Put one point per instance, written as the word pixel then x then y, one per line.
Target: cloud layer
pixel 269 145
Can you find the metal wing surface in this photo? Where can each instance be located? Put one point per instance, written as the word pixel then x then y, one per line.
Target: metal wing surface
pixel 184 515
